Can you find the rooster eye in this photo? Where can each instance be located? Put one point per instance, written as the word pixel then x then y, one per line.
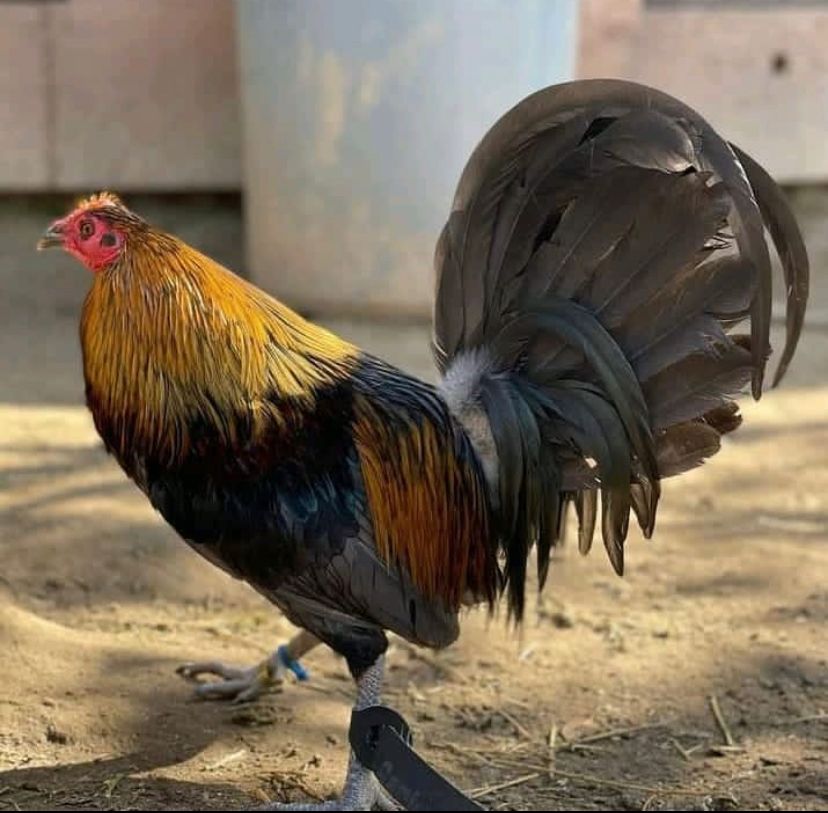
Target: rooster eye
pixel 86 229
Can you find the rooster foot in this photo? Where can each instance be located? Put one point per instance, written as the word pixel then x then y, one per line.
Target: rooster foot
pixel 362 792
pixel 241 685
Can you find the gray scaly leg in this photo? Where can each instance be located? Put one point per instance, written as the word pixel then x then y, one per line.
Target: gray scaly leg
pixel 362 791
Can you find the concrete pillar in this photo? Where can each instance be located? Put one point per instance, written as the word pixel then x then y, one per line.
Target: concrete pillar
pixel 357 120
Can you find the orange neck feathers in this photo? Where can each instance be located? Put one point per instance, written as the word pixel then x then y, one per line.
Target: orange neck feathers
pixel 171 338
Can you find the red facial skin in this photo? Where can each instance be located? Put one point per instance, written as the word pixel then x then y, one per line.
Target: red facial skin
pixel 91 239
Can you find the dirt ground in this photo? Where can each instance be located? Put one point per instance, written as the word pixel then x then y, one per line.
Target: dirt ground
pixel 99 602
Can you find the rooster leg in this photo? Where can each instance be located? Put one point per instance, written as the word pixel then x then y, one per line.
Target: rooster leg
pixel 243 684
pixel 362 791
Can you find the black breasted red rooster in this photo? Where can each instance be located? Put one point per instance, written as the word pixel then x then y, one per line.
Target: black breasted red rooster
pixel 604 248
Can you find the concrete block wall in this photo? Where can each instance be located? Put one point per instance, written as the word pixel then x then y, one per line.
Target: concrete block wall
pixel 757 71
pixel 133 95
pixel 144 95
pixel 24 94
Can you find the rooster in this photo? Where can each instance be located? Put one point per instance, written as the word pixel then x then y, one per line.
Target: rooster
pixel 603 247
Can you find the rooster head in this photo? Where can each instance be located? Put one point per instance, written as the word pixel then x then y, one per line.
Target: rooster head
pixel 96 231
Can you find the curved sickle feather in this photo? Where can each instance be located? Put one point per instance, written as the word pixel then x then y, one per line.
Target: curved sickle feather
pixel 790 246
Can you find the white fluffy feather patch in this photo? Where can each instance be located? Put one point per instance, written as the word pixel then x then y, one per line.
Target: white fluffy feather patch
pixel 460 387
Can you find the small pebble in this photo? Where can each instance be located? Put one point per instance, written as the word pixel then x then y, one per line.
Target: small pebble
pixel 56 736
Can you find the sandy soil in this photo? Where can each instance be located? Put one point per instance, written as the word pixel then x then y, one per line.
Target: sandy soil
pixel 99 602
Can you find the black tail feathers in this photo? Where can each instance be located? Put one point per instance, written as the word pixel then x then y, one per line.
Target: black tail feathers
pixel 604 245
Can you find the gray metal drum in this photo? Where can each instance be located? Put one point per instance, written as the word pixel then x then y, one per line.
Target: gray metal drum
pixel 359 116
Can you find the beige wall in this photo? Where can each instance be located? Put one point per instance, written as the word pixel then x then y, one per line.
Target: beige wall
pixel 725 64
pixel 137 95
pixel 143 95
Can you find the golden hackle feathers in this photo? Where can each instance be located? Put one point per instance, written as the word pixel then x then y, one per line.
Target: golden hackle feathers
pixel 171 337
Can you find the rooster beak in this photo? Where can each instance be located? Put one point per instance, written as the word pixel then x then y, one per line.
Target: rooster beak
pixel 52 237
